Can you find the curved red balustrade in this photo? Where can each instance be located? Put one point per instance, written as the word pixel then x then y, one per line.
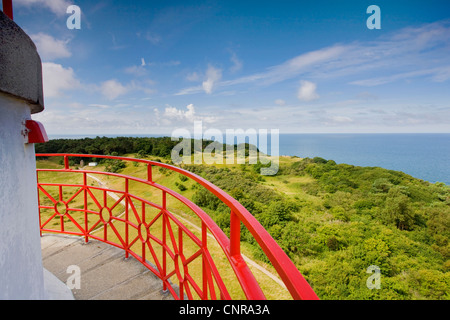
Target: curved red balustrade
pixel 134 231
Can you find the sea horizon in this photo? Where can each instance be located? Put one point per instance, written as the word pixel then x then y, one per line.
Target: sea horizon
pixel 422 155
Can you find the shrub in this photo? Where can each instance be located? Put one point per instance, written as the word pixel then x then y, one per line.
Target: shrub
pixel 114 165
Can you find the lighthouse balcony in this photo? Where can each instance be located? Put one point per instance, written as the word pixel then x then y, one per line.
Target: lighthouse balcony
pixel 110 235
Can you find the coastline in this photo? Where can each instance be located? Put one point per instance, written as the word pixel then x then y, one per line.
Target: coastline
pixel 421 155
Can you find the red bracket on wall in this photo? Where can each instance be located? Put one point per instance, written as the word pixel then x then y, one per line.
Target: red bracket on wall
pixel 36 132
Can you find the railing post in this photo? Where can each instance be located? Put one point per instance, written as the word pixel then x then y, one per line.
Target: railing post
pixel 127 254
pixel 8 8
pixel 164 226
pixel 66 162
pixel 204 262
pixel 105 205
pixel 39 203
pixel 143 222
pixel 180 263
pixel 235 235
pixel 86 238
pixel 149 173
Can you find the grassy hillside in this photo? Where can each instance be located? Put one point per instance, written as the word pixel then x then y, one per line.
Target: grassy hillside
pixel 337 220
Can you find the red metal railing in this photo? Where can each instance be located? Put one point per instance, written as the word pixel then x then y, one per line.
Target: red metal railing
pixel 8 8
pixel 134 231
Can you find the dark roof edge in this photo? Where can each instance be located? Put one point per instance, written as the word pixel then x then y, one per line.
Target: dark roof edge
pixel 20 65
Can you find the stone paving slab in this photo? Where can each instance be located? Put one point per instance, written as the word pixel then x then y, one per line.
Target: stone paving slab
pixel 105 274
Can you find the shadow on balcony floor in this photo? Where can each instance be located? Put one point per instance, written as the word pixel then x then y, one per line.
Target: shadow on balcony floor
pixel 105 274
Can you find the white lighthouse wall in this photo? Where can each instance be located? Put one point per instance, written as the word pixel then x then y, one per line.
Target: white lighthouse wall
pixel 21 270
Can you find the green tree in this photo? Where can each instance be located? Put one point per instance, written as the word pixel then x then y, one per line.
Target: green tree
pixel 397 210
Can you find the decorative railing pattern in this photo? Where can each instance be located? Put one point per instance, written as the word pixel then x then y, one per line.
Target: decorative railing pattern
pixel 155 236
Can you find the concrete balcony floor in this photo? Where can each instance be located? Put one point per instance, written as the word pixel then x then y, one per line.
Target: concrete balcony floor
pixel 105 273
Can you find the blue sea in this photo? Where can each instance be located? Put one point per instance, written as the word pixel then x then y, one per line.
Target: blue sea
pixel 423 156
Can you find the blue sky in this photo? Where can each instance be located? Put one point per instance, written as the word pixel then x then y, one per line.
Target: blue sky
pixel 150 67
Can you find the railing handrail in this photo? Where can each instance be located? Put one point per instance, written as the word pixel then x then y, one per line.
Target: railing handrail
pixel 288 272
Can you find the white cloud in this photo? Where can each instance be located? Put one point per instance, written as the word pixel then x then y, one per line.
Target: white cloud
pixel 57 79
pixel 58 7
pixel 190 90
pixel 341 119
pixel 153 38
pixel 101 106
pixel 237 63
pixel 303 63
pixel 139 71
pixel 213 75
pixel 387 59
pixel 397 57
pixel 291 68
pixel 307 91
pixel 443 74
pixel 111 89
pixel 50 48
pixel 144 66
pixel 171 63
pixel 287 70
pixel 280 102
pixel 440 74
pixel 180 115
pixel 192 76
pixel 115 44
